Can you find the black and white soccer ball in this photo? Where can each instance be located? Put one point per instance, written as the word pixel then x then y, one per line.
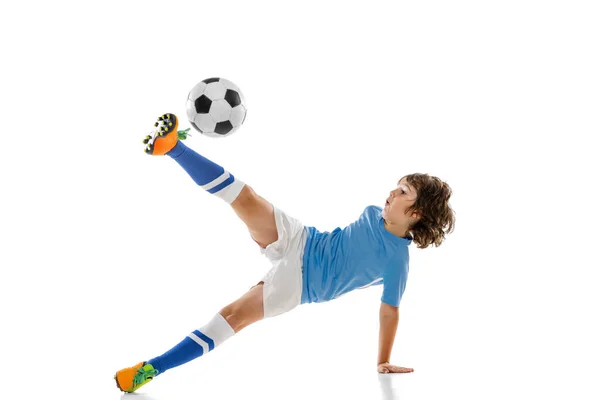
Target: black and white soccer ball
pixel 216 107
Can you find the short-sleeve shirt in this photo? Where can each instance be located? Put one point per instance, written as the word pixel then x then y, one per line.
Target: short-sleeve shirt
pixel 360 255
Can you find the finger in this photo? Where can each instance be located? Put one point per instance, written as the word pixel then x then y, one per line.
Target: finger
pixel 403 369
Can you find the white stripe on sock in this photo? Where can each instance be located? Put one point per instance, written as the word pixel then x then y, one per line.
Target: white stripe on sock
pixel 218 329
pixel 231 192
pixel 224 176
pixel 201 342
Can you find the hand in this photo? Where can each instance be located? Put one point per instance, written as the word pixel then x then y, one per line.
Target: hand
pixel 385 368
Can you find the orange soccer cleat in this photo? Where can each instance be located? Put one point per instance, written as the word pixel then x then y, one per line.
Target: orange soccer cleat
pixel 164 137
pixel 131 379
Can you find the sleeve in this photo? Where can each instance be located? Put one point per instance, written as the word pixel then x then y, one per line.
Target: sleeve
pixel 394 283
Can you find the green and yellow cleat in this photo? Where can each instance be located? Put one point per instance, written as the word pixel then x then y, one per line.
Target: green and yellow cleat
pixel 165 135
pixel 131 379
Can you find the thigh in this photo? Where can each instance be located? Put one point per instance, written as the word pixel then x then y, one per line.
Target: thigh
pixel 258 215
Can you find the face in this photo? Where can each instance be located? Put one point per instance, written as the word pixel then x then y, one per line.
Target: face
pixel 401 198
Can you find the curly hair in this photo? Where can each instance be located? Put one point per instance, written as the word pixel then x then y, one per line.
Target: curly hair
pixel 432 203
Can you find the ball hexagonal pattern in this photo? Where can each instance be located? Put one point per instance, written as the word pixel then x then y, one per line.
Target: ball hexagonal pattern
pixel 216 107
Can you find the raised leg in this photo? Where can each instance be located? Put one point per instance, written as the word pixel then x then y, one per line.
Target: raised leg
pixel 256 212
pixel 258 215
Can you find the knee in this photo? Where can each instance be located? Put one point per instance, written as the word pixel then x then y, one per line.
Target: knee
pixel 246 197
pixel 232 316
pixel 246 310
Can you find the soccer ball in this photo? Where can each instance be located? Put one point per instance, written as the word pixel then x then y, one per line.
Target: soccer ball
pixel 216 107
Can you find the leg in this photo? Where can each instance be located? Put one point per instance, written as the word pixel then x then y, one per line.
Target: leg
pixel 258 215
pixel 227 322
pixel 230 320
pixel 246 310
pixel 256 212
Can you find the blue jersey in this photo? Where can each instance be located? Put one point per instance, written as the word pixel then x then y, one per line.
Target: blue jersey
pixel 360 255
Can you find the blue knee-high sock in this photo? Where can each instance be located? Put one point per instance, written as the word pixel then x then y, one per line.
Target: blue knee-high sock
pixel 210 176
pixel 197 343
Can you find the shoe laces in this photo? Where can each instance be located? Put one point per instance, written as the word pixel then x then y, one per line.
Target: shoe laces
pixel 142 376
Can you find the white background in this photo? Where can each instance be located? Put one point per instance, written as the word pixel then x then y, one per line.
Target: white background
pixel 109 256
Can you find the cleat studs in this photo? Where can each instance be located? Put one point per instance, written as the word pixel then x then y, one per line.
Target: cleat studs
pixel 145 141
pixel 170 124
pixel 156 124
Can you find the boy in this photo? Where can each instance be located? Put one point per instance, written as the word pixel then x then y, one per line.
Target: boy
pixel 308 265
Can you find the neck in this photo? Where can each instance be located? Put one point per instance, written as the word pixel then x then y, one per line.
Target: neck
pixel 398 230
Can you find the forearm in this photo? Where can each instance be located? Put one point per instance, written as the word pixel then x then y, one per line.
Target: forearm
pixel 388 325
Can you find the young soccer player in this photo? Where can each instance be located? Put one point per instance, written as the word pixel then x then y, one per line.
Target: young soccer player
pixel 308 265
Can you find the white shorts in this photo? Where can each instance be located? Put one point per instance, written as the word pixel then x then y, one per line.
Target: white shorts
pixel 282 290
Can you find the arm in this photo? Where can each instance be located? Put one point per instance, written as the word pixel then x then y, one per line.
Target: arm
pixel 388 324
